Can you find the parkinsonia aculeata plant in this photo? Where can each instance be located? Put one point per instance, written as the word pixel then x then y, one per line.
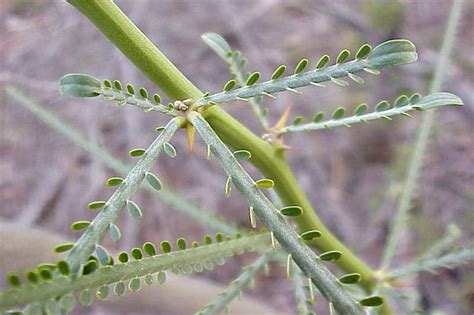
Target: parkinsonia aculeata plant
pixel 89 270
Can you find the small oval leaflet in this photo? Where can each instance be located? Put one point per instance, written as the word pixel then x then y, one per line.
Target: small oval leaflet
pixel 414 98
pixel 220 261
pixel 253 78
pixel 301 65
pixel 181 242
pixel 119 288
pixel 114 232
pixel 118 85
pixel 80 225
pixel 242 154
pixel 156 99
pixel 332 255
pixel 107 83
pixel 102 254
pixel 149 248
pixel 134 285
pixel 297 120
pixel 32 277
pixel 265 183
pixel 67 302
pixel 79 85
pixel 363 51
pixel 45 274
pixel 89 267
pixel 338 113
pixel 343 55
pixel 148 280
pixel 136 253
pixel 372 301
pixel 361 109
pixel 63 247
pixel 219 237
pixel 161 277
pixel 63 267
pixel 96 205
pixel 381 106
pixel 401 101
pixel 165 247
pixel 103 292
pixel 137 152
pixel 278 72
pixel 86 298
pixel 143 92
pixel 134 210
pixel 114 181
pixel 318 117
pixel 291 211
pixel 169 149
pixel 153 180
pixel 130 89
pixel 13 279
pixel 207 239
pixel 123 257
pixel 322 62
pixel 229 85
pixel 310 235
pixel 350 278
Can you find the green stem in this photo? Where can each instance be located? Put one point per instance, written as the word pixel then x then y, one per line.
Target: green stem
pixel 269 215
pixel 85 245
pixel 110 20
pixel 59 286
pixel 222 301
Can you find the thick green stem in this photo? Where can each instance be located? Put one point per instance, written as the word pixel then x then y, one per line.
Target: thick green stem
pixel 110 20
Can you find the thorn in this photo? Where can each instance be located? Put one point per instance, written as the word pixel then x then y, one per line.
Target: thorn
pixel 293 90
pixel 405 114
pixel 269 95
pixel 317 84
pixel 242 99
pixel 191 132
pixel 283 119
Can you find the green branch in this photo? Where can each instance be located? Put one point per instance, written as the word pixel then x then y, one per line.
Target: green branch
pixel 122 271
pixel 446 261
pixel 85 246
pixel 421 144
pixel 223 299
pixel 236 64
pixel 166 195
pixel 388 54
pixel 84 85
pixel 403 105
pixel 303 256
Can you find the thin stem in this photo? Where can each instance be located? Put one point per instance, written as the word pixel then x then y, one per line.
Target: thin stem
pixel 84 247
pixel 303 256
pixel 421 143
pixel 300 294
pixel 169 197
pixel 223 300
pixel 60 286
pixel 441 99
pixel 457 258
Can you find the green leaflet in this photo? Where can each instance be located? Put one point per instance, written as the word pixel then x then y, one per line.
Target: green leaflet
pixel 79 85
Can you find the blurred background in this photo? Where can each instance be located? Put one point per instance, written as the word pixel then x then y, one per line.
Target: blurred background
pixel 352 176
